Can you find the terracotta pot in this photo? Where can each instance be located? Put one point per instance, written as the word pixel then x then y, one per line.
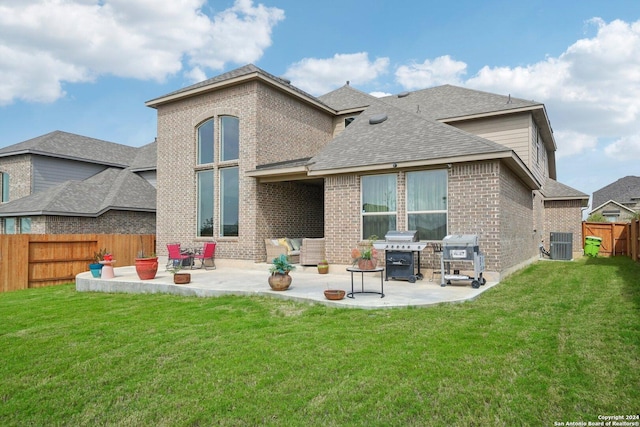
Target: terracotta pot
pixel 182 278
pixel 146 268
pixel 279 282
pixel 334 294
pixel 323 269
pixel 367 264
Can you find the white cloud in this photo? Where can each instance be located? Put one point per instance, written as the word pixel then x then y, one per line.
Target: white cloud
pixel 571 143
pixel 592 88
pixel 45 43
pixel 431 73
pixel 379 94
pixel 319 76
pixel 624 149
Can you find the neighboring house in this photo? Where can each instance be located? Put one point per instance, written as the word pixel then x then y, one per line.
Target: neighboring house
pixel 618 201
pixel 65 183
pixel 246 156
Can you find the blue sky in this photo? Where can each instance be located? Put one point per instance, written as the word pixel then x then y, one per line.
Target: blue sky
pixel 88 66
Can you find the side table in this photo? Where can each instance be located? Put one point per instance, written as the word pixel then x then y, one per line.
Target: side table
pixel 362 291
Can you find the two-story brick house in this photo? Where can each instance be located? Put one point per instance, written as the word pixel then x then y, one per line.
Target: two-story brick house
pixel 246 156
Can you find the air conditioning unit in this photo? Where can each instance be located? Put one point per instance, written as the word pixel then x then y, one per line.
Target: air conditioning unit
pixel 561 246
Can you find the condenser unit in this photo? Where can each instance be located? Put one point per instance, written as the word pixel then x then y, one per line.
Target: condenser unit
pixel 561 246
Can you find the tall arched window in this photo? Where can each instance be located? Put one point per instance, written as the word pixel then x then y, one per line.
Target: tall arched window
pixel 218 173
pixel 229 138
pixel 205 142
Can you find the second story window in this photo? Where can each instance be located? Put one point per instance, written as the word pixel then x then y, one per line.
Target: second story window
pixel 205 143
pixel 5 187
pixel 229 138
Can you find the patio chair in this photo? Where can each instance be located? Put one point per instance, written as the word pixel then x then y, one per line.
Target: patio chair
pixel 207 256
pixel 177 256
pixel 312 251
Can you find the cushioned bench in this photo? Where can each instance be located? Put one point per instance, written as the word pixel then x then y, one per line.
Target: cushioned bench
pixel 287 246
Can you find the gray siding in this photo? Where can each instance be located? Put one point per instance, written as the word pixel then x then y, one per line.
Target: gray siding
pixel 50 171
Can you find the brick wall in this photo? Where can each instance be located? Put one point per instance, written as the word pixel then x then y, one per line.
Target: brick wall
pixel 288 209
pixel 19 170
pixel 474 206
pixel 342 217
pixel 518 241
pixel 564 216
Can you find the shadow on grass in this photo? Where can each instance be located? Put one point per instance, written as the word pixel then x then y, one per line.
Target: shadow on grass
pixel 627 270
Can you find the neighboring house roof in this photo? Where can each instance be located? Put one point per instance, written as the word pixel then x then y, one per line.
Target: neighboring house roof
pixel 406 139
pixel 146 159
pixel 624 191
pixel 111 189
pixel 553 190
pixel 74 147
pixel 612 204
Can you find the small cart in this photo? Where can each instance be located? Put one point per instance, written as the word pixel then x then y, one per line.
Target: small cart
pixel 461 248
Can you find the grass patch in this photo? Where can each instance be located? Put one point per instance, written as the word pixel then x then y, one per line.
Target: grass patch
pixel 555 342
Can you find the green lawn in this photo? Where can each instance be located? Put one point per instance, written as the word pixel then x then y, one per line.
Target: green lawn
pixel 556 342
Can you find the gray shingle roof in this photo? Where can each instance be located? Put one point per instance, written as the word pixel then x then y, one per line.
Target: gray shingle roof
pixel 146 158
pixel 346 98
pixel 113 188
pixel 449 101
pixel 233 74
pixel 552 189
pixel 620 191
pixel 403 137
pixel 76 147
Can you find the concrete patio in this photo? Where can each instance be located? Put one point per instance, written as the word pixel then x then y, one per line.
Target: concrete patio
pixel 233 277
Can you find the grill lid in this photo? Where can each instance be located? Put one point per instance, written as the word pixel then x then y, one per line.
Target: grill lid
pixel 401 236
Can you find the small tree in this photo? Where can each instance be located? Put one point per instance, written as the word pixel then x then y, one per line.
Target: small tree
pixel 597 217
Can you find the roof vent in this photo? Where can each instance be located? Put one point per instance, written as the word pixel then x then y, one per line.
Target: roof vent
pixel 378 118
pixel 403 94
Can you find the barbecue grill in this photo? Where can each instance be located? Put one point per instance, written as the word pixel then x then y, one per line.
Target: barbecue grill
pixel 461 248
pixel 399 250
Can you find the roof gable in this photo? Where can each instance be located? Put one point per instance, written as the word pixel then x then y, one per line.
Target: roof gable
pixel 347 98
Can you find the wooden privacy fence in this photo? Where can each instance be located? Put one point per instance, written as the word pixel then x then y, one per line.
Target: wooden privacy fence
pixel 618 238
pixel 38 260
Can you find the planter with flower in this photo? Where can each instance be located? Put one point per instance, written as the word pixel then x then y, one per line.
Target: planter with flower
pixel 323 267
pixel 280 268
pixel 107 266
pixel 365 258
pixel 96 267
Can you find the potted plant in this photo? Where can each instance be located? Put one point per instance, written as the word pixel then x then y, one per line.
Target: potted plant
pixel 323 267
pixel 179 278
pixel 334 294
pixel 365 259
pixel 96 267
pixel 146 264
pixel 280 268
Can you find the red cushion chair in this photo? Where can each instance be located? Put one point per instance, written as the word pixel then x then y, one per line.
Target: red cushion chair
pixel 208 253
pixel 176 256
